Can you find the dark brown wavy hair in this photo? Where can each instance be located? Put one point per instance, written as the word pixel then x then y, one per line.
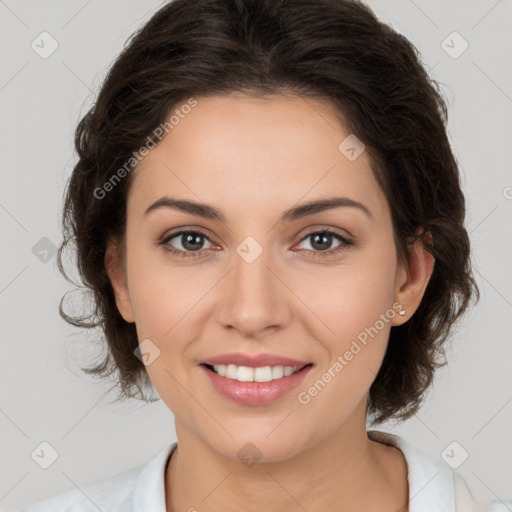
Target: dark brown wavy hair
pixel 333 50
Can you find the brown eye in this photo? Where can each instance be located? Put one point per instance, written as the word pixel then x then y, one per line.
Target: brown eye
pixel 322 240
pixel 191 243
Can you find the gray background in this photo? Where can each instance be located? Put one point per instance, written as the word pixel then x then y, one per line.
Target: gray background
pixel 44 397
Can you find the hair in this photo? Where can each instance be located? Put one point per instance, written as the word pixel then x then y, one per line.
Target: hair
pixel 331 50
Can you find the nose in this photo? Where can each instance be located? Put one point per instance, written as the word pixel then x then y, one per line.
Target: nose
pixel 253 298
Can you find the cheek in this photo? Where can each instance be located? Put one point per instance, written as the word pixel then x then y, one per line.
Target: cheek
pixel 164 306
pixel 353 296
pixel 358 311
pixel 356 306
pixel 161 293
pixel 168 308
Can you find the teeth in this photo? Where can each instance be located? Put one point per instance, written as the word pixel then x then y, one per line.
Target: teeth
pixel 248 374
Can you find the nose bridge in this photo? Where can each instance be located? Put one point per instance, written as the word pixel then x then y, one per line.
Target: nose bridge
pixel 251 299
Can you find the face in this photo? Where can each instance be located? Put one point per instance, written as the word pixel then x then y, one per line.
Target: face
pixel 253 283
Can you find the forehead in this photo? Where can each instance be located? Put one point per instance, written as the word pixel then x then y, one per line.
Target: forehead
pixel 255 154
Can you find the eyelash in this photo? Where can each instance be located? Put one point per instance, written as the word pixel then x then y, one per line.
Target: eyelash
pixel 346 243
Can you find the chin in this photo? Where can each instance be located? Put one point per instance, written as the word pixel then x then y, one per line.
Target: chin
pixel 253 447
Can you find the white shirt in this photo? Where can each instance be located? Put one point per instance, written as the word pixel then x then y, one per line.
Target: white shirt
pixel 433 487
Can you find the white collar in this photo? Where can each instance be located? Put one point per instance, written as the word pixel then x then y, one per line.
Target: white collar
pixel 431 483
pixel 433 486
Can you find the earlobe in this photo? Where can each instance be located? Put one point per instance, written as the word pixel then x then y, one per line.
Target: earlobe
pixel 412 281
pixel 114 268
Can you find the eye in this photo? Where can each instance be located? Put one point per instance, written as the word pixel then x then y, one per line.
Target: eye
pixel 190 241
pixel 323 238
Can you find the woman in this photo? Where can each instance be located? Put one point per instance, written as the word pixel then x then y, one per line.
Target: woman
pixel 268 211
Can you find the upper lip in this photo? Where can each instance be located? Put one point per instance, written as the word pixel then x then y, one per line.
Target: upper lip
pixel 254 361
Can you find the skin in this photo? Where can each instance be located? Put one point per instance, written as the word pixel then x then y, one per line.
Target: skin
pixel 284 150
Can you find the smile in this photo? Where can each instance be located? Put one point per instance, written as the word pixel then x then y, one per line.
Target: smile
pixel 254 386
pixel 258 374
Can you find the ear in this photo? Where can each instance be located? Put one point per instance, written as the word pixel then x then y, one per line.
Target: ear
pixel 411 281
pixel 115 270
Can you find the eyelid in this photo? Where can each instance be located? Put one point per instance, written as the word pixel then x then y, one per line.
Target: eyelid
pixel 188 229
pixel 323 228
pixel 345 242
pixel 203 231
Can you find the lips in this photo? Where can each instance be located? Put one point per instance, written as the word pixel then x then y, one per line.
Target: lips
pixel 254 361
pixel 255 393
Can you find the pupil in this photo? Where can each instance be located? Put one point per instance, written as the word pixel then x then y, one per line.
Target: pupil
pixel 324 237
pixel 192 238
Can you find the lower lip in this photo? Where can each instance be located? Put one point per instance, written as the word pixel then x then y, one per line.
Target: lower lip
pixel 255 393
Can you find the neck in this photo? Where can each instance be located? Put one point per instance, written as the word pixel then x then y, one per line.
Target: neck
pixel 344 472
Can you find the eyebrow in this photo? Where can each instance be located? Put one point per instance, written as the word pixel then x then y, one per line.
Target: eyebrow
pixel 297 212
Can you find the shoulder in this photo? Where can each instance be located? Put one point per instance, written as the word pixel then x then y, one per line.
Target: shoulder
pixel 140 486
pixel 433 485
pixel 105 494
pixel 465 501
